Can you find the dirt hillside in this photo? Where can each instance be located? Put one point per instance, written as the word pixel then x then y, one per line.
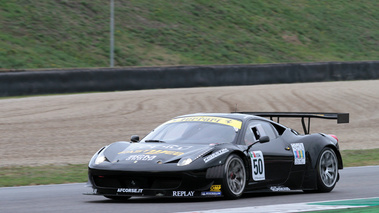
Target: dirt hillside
pixel 64 129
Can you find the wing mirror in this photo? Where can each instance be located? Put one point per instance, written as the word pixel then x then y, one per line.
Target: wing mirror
pixel 134 138
pixel 263 139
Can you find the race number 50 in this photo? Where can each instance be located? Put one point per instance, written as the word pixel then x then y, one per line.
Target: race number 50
pixel 258 165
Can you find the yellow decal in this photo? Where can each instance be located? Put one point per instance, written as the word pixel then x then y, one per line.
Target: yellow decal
pixel 215 188
pixel 152 152
pixel 219 120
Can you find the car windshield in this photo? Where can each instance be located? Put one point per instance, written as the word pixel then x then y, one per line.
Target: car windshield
pixel 192 132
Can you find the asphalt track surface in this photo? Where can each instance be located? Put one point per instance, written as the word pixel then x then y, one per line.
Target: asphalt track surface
pixel 355 182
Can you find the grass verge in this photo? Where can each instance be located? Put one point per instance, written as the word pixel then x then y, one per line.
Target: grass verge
pixel 364 157
pixel 41 175
pixel 56 174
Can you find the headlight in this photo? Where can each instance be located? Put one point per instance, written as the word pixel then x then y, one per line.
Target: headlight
pixel 100 158
pixel 184 161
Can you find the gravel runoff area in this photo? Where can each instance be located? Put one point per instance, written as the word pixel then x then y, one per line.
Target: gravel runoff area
pixel 69 129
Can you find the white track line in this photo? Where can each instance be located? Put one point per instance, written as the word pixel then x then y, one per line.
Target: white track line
pixel 281 208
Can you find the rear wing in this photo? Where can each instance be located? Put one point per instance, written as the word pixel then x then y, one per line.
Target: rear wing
pixel 340 117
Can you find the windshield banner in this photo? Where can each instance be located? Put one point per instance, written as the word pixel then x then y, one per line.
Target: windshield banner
pixel 219 120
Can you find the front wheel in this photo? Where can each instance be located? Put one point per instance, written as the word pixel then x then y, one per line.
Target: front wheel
pixel 234 179
pixel 327 170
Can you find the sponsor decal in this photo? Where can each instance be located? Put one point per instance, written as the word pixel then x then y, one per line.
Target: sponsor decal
pixel 215 155
pixel 151 152
pixel 279 189
pixel 258 165
pixel 141 157
pixel 209 119
pixel 211 193
pixel 183 193
pixel 176 147
pixel 126 190
pixel 215 188
pixel 152 146
pixel 298 153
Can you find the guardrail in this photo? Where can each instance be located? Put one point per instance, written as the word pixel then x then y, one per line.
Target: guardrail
pixel 50 81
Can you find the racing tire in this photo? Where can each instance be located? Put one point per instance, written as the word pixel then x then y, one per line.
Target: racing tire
pixel 118 198
pixel 327 170
pixel 234 177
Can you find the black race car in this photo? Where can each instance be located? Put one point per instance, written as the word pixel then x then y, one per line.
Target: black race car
pixel 219 154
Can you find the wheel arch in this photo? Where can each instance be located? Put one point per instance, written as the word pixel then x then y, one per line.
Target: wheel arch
pixel 316 155
pixel 315 144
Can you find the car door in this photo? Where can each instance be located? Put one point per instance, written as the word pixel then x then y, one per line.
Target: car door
pixel 271 161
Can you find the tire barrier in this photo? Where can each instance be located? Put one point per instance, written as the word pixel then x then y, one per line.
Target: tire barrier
pixel 35 82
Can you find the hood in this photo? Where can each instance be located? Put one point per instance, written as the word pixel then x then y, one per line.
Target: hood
pixel 142 153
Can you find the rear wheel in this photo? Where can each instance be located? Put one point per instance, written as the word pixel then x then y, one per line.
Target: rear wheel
pixel 327 170
pixel 234 179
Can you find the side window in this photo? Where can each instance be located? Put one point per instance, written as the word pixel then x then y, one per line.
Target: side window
pixel 257 129
pixel 269 129
pixel 249 136
pixel 279 129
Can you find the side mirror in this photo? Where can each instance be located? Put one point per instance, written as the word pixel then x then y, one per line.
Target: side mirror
pixel 264 139
pixel 134 138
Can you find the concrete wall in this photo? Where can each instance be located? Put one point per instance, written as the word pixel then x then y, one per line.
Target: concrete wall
pixel 32 82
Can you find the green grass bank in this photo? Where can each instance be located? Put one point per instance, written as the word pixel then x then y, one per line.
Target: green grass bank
pixel 70 33
pixel 56 174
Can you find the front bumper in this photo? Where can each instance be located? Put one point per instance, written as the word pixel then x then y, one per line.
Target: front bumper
pixel 161 184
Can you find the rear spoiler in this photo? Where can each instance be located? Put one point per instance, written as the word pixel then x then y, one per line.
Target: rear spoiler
pixel 340 117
